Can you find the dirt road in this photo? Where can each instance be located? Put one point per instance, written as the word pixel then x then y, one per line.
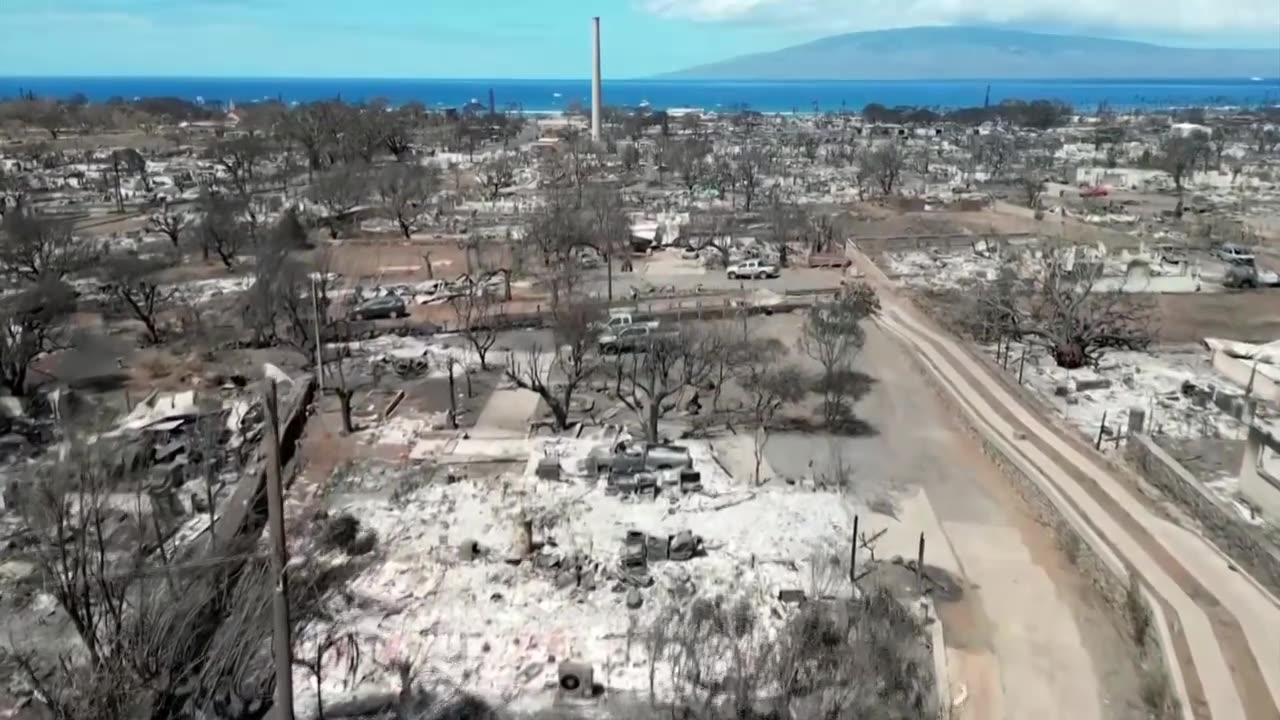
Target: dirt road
pixel 1029 638
pixel 1225 627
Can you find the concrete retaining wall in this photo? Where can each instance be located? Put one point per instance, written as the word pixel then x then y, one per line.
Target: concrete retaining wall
pixel 1260 472
pixel 1239 540
pixel 1245 374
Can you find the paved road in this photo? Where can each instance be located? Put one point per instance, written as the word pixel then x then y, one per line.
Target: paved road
pixel 665 268
pixel 1223 626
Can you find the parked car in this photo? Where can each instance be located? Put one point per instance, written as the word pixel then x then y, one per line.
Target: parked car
pixel 1234 254
pixel 755 269
pixel 1240 277
pixel 1247 276
pixel 619 320
pixel 630 457
pixel 628 339
pixel 381 308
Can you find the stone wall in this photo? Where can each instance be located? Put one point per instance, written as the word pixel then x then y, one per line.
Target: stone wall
pixel 1241 541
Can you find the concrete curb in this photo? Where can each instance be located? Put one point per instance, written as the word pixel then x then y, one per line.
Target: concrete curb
pixel 941 675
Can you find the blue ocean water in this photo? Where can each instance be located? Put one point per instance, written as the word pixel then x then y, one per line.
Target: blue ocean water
pixel 554 95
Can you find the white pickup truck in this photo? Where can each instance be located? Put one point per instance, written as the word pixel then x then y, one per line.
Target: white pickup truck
pixel 618 321
pixel 755 269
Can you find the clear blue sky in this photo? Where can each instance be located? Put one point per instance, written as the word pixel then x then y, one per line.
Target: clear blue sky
pixel 533 38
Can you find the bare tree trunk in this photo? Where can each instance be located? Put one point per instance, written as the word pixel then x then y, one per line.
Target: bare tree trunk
pixel 344 403
pixel 119 198
pixel 608 264
pixel 651 427
pixel 453 400
pixel 761 438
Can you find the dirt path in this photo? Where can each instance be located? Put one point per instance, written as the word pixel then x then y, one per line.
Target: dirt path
pixel 1028 637
pixel 1231 648
pixel 1031 639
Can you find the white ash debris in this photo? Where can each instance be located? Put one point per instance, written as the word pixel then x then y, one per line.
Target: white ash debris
pixel 1227 489
pixel 428 357
pixel 199 292
pixel 1176 390
pixel 937 269
pixel 406 430
pixel 451 597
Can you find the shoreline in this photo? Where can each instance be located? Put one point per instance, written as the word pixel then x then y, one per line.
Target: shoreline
pixel 555 96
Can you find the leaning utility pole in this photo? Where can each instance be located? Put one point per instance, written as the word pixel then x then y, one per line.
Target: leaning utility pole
pixel 281 638
pixel 315 314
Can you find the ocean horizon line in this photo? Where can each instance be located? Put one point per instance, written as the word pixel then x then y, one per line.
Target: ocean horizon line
pixel 656 80
pixel 560 94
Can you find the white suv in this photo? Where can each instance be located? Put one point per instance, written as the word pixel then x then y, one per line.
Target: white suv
pixel 1233 254
pixel 756 269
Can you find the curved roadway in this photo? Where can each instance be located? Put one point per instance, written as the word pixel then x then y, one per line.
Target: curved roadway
pixel 1224 627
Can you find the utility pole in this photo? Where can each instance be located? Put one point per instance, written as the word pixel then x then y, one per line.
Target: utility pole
pixel 597 96
pixel 315 314
pixel 281 638
pixel 920 566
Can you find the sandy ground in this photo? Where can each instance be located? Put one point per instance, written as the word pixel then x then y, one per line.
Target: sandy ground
pixel 507 414
pixel 1251 316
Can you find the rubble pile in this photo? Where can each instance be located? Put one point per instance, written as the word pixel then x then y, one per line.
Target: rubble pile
pixel 172 459
pixel 412 357
pixel 492 580
pixel 940 269
pixel 1179 393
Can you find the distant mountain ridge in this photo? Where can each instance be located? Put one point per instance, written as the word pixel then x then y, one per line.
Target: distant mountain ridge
pixel 964 53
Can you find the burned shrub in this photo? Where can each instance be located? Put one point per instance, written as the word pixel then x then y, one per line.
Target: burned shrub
pixel 343 533
pixel 865 657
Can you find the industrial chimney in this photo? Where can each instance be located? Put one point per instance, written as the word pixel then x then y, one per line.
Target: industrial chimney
pixel 596 99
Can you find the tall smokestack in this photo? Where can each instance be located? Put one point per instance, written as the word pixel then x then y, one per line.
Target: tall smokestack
pixel 596 98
